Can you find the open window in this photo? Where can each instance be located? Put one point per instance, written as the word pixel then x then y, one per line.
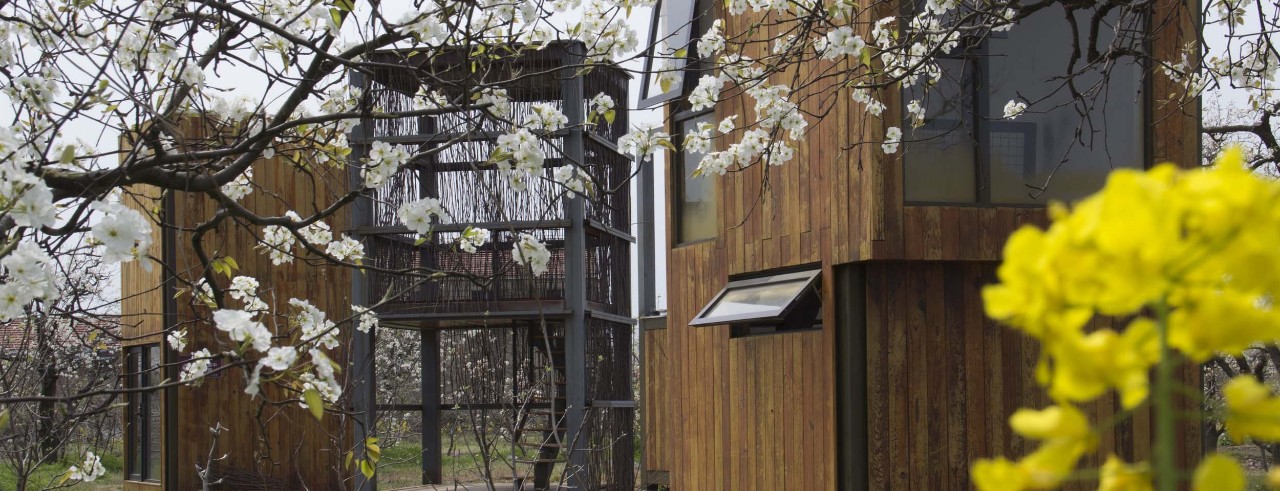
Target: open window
pixel 779 302
pixel 668 47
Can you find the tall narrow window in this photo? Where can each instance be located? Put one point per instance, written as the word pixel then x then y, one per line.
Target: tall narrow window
pixel 1062 148
pixel 142 427
pixel 697 195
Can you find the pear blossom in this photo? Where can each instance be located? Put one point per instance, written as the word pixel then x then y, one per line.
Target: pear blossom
pixel 124 233
pixel 472 238
pixel 706 93
pixel 314 324
pixel 89 470
pixel 545 117
pixel 417 215
pixel 600 106
pixel 498 101
pixel 531 252
pixel 346 249
pixel 518 156
pixel 429 100
pixel 239 187
pixel 196 368
pixel 279 358
pixel 316 233
pixel 384 160
pixel 177 340
pixel 892 137
pixel 241 327
pixel 842 42
pixel 699 140
pixel 367 319
pixel 727 125
pixel 712 43
pixel 916 110
pixel 1014 108
pixel 641 142
pixel 574 179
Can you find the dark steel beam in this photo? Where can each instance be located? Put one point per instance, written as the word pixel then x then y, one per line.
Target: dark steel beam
pixel 363 369
pixel 432 459
pixel 575 282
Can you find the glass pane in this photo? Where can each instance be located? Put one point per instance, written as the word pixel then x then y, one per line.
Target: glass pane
pixel 134 437
pixel 675 28
pixel 757 299
pixel 697 207
pixel 153 414
pixel 1040 149
pixel 938 157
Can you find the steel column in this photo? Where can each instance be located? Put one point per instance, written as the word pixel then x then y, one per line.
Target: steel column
pixel 575 286
pixel 432 460
pixel 363 368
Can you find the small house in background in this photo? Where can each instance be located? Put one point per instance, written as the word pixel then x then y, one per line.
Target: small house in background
pixel 550 355
pixel 825 328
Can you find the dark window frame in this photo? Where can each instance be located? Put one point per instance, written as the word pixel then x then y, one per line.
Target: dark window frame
pixel 977 56
pixel 808 297
pixel 703 13
pixel 143 364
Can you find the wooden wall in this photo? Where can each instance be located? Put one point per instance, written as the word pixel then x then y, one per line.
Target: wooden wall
pixel 748 413
pixel 282 441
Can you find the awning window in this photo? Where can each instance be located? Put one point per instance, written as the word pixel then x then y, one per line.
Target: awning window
pixel 780 299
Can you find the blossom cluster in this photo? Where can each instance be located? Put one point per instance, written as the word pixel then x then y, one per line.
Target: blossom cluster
pixel 1188 256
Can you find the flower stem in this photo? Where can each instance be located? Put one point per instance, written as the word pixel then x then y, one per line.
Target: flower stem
pixel 1163 454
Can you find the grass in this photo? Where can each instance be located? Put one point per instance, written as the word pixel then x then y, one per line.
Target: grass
pixel 401 465
pixel 49 473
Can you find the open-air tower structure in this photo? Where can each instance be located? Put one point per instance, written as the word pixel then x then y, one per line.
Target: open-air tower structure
pixel 549 354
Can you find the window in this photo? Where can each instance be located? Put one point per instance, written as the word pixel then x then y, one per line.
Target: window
pixel 967 152
pixel 142 423
pixel 670 31
pixel 776 302
pixel 696 197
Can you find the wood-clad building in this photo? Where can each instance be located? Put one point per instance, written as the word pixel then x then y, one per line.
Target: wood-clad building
pixel 904 381
pixel 168 431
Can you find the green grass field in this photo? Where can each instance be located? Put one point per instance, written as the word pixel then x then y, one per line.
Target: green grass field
pixel 49 473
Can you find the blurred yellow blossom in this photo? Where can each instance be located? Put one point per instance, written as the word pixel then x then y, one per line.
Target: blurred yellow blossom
pixel 1273 478
pixel 1116 475
pixel 1252 412
pixel 1218 472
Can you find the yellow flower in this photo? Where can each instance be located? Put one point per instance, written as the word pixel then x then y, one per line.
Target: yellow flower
pixel 1218 472
pixel 1118 476
pixel 998 475
pixel 1051 423
pixel 1252 412
pixel 1086 366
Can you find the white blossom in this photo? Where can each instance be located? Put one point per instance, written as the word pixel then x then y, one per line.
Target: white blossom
pixel 384 160
pixel 314 324
pixel 178 340
pixel 89 470
pixel 916 110
pixel 472 238
pixel 124 233
pixel 367 319
pixel 842 42
pixel 529 251
pixel 892 137
pixel 499 102
pixel 699 139
pixel 418 215
pixel 242 328
pixel 705 94
pixel 712 43
pixel 1014 108
pixel 641 142
pixel 545 117
pixel 197 367
pixel 279 358
pixel 239 187
pixel 574 179
pixel 346 249
pixel 519 155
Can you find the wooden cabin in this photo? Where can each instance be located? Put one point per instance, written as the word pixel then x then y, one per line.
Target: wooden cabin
pixel 168 432
pixel 892 377
pixel 559 344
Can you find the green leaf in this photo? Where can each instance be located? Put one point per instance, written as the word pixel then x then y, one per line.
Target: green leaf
pixel 367 468
pixel 667 145
pixel 346 464
pixel 345 5
pixel 66 476
pixel 336 15
pixel 231 261
pixel 681 53
pixel 68 155
pixel 374 452
pixel 419 241
pixel 610 115
pixel 4 420
pixel 314 403
pixel 664 83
